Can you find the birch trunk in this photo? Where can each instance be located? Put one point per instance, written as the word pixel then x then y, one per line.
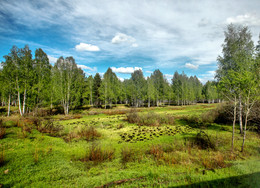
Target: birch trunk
pixel 24 99
pixel 9 101
pixel 240 116
pixel 244 137
pixel 19 103
pixel 234 123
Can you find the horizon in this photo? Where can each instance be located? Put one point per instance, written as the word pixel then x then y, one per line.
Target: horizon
pixel 126 36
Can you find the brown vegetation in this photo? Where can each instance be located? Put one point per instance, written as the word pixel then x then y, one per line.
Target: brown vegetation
pixel 98 155
pixel 150 119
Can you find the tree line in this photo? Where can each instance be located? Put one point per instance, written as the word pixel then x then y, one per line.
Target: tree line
pixel 31 83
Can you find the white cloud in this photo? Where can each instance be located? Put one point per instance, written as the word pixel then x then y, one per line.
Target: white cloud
pixel 125 70
pixel 84 67
pixel 150 72
pixel 163 36
pixel 86 47
pixel 121 79
pixel 135 45
pixel 191 66
pixel 209 75
pixel 168 77
pixel 246 19
pixel 52 60
pixel 122 38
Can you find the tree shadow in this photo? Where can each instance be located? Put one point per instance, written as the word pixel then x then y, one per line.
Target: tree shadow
pixel 245 181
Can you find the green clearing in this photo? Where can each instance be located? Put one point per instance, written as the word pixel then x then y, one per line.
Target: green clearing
pixel 153 156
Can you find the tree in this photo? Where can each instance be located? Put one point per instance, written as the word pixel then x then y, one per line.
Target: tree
pixel 158 82
pixel 42 77
pixel 139 91
pixel 176 85
pixel 68 79
pixel 110 86
pixel 150 91
pixel 19 65
pixel 238 49
pixel 8 80
pixel 210 91
pixel 88 93
pixel 237 59
pixel 96 85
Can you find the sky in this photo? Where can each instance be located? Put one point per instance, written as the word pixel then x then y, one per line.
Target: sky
pixel 127 35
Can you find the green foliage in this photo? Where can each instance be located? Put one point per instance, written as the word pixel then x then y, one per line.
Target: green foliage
pixel 150 119
pixel 41 160
pixel 96 85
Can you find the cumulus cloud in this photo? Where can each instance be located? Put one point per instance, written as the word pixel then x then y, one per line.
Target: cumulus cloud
pixel 122 38
pixel 168 77
pixel 121 79
pixel 191 66
pixel 125 70
pixel 84 67
pixel 209 75
pixel 246 19
pixel 86 47
pixel 163 37
pixel 52 60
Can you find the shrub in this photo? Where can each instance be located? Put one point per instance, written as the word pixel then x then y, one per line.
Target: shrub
pixel 203 141
pixel 127 155
pixel 98 155
pixel 213 162
pixel 150 119
pixel 2 130
pixel 133 117
pixel 162 154
pixel 223 114
pixel 254 117
pixel 86 133
pixel 156 151
pixel 2 158
pixel 89 133
pixel 50 127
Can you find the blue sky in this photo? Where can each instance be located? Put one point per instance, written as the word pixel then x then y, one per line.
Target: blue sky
pixel 127 35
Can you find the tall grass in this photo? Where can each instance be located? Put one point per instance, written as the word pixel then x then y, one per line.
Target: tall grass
pixel 150 119
pixel 97 155
pixel 2 130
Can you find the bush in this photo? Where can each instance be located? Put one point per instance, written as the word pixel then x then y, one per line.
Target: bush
pixel 127 155
pixel 98 155
pixel 89 133
pixel 2 158
pixel 254 117
pixel 2 130
pixel 150 119
pixel 156 151
pixel 86 133
pixel 222 114
pixel 162 154
pixel 203 141
pixel 50 128
pixel 133 117
pixel 214 162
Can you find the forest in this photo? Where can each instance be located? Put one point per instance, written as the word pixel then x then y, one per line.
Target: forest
pixel 32 83
pixel 59 127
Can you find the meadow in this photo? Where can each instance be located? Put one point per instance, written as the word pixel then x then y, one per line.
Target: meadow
pixel 171 146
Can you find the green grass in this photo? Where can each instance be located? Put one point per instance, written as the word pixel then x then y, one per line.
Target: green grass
pixel 39 160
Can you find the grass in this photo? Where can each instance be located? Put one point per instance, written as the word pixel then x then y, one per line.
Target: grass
pixel 98 152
